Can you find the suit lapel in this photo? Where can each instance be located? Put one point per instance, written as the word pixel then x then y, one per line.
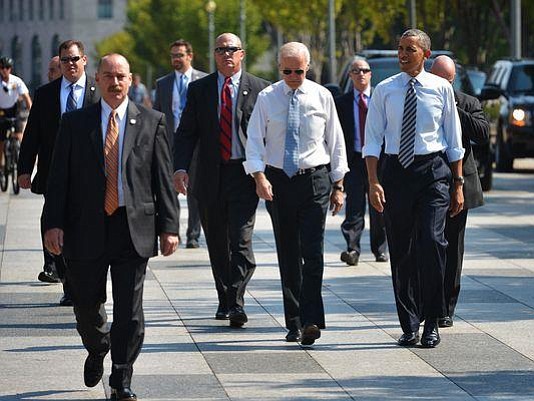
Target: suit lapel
pixel 94 118
pixel 244 91
pixel 57 101
pixel 89 93
pixel 131 131
pixel 213 103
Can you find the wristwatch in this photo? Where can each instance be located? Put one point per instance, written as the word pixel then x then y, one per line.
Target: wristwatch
pixel 459 180
pixel 338 188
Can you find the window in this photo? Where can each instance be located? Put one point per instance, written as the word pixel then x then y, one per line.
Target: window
pixel 30 10
pixel 2 10
pixel 105 8
pixel 16 53
pixel 37 63
pixel 41 10
pixel 51 9
pixel 61 9
pixel 11 10
pixel 54 46
pixel 21 10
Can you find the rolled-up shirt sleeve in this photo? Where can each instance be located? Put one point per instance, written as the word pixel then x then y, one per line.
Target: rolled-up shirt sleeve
pixel 452 129
pixel 255 148
pixel 375 124
pixel 336 142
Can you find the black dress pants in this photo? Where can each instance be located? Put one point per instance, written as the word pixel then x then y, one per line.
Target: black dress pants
pixel 455 234
pixel 193 219
pixel 357 189
pixel 86 280
pixel 298 212
pixel 228 223
pixel 417 203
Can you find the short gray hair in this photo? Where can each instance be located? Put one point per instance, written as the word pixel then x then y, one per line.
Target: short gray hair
pixel 294 49
pixel 424 39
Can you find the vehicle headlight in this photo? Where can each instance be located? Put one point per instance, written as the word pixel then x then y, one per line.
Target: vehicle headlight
pixel 520 117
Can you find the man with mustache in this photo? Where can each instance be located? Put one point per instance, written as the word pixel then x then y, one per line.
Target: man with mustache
pixel 72 90
pixel 216 117
pixel 109 198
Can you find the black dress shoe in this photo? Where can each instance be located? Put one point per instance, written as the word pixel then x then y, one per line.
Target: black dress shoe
pixel 430 338
pixel 293 336
pixel 445 321
pixel 237 316
pixel 192 244
pixel 123 394
pixel 310 333
pixel 48 277
pixel 65 300
pixel 93 370
pixel 222 313
pixel 350 258
pixel 381 257
pixel 408 339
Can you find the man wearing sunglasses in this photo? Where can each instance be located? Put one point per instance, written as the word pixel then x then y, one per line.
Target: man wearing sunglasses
pixel 72 90
pixel 352 112
pixel 296 153
pixel 216 117
pixel 171 97
pixel 13 89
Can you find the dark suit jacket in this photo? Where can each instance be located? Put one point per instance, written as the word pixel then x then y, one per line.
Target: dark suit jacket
pixel 475 128
pixel 345 112
pixel 41 129
pixel 163 98
pixel 77 182
pixel 200 123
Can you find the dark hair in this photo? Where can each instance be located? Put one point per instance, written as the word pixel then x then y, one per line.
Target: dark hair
pixel 182 42
pixel 69 43
pixel 422 37
pixel 6 62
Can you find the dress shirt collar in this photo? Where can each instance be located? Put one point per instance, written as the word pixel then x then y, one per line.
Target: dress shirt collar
pixel 235 78
pixel 422 78
pixel 366 92
pixel 80 82
pixel 121 110
pixel 178 74
pixel 304 88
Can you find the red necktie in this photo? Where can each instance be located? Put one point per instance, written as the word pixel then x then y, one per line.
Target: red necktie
pixel 362 112
pixel 225 120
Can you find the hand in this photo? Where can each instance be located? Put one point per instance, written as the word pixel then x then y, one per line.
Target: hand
pixel 168 243
pixel 181 182
pixel 457 200
pixel 25 181
pixel 53 240
pixel 264 189
pixel 377 197
pixel 336 201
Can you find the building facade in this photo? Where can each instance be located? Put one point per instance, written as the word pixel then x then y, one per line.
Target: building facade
pixel 33 29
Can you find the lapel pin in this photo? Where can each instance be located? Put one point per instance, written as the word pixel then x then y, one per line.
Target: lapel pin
pixel 133 121
pixel 92 88
pixel 245 93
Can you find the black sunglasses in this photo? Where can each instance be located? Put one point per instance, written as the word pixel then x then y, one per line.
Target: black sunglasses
pixel 358 70
pixel 73 59
pixel 288 72
pixel 227 49
pixel 5 89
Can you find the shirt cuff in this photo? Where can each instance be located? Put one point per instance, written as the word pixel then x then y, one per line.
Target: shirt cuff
pixel 371 150
pixel 253 166
pixel 455 154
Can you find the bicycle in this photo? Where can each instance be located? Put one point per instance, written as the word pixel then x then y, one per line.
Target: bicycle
pixel 11 156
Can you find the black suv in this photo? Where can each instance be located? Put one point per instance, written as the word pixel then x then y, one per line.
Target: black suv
pixel 509 104
pixel 385 63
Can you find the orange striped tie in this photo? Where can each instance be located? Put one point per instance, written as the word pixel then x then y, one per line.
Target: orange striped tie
pixel 111 153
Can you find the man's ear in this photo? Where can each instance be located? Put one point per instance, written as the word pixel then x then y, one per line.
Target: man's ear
pixel 427 53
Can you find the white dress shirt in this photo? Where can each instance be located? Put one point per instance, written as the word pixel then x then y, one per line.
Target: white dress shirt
pixel 11 90
pixel 238 151
pixel 79 89
pixel 437 122
pixel 321 137
pixel 176 101
pixel 356 110
pixel 121 116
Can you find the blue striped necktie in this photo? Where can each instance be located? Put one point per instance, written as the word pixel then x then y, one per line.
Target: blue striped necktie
pixel 407 140
pixel 71 102
pixel 291 153
pixel 183 92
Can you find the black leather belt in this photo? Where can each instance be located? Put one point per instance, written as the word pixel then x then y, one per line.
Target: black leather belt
pixel 300 171
pixel 232 162
pixel 418 157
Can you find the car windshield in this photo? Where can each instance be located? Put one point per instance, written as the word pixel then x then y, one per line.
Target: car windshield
pixel 522 79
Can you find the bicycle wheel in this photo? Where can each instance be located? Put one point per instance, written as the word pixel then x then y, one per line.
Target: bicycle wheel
pixel 4 179
pixel 14 161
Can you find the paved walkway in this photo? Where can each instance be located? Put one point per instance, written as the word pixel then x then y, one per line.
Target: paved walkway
pixel 487 355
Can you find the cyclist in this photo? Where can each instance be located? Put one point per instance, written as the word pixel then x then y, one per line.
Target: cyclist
pixel 13 89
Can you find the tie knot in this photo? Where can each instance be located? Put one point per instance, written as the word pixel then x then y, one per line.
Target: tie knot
pixel 113 114
pixel 227 80
pixel 72 86
pixel 362 97
pixel 412 82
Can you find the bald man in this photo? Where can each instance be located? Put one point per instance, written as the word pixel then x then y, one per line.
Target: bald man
pixel 109 197
pixel 54 69
pixel 475 129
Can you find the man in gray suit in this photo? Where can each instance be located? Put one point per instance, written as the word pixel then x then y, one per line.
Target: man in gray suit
pixel 171 91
